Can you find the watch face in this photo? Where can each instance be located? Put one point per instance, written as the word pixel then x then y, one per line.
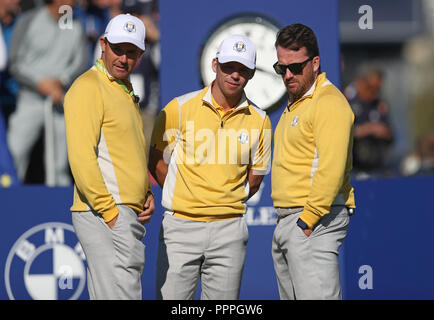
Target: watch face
pixel 266 88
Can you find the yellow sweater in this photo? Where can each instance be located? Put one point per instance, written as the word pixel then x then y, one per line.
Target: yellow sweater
pixel 209 155
pixel 313 153
pixel 106 146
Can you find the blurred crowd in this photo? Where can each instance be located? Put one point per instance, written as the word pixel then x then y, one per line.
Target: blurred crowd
pixel 374 131
pixel 44 46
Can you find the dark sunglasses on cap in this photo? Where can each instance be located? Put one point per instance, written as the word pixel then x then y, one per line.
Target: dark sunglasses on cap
pixel 295 68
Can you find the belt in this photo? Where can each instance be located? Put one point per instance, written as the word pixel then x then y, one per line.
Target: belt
pixel 205 218
pixel 284 212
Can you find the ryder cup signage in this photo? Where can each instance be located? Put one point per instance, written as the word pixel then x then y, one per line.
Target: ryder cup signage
pixel 46 262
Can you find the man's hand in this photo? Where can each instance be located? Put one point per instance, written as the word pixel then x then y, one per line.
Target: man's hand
pixel 307 232
pixel 304 227
pixel 254 183
pixel 379 130
pixel 51 88
pixel 148 209
pixel 112 222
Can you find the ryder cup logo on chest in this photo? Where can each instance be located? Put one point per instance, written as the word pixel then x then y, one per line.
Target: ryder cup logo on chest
pixel 46 263
pixel 130 27
pixel 243 138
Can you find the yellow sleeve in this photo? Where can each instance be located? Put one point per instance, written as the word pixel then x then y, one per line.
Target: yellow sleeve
pixel 262 156
pixel 332 126
pixel 83 121
pixel 166 128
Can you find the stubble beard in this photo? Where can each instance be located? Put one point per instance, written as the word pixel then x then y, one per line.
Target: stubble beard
pixel 299 92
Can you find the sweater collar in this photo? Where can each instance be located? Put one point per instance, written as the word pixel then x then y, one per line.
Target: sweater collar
pixel 243 103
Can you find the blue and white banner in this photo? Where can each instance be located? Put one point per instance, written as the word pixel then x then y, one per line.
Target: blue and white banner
pixel 381 258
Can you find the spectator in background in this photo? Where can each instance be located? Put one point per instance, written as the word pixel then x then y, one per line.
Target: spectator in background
pixel 44 59
pixel 421 162
pixel 94 16
pixel 145 76
pixel 372 129
pixel 26 5
pixel 10 9
pixel 3 52
pixel 8 175
pixel 115 8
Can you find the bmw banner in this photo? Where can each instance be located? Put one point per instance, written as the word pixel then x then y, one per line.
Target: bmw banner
pixel 41 256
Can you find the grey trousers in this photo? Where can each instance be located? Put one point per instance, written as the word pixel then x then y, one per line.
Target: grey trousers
pixel 25 125
pixel 214 251
pixel 115 257
pixel 307 268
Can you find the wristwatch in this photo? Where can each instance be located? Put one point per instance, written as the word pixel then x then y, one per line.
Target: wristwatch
pixel 302 224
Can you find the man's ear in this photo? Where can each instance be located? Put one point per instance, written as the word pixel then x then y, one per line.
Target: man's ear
pixel 102 43
pixel 214 65
pixel 316 63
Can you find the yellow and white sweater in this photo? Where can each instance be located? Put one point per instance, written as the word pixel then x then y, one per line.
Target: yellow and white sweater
pixel 313 153
pixel 106 145
pixel 209 154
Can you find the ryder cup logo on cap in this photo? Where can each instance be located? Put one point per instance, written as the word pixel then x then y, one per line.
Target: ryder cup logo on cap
pixel 130 27
pixel 237 48
pixel 126 28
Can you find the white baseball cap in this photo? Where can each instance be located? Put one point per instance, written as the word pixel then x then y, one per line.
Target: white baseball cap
pixel 237 48
pixel 126 28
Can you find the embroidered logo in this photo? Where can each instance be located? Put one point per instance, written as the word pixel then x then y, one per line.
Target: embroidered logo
pixel 239 46
pixel 294 121
pixel 243 138
pixel 130 27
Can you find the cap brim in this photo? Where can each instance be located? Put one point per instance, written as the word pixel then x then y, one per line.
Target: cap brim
pixel 245 62
pixel 115 39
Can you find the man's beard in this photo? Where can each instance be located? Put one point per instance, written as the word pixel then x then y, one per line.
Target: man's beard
pixel 302 88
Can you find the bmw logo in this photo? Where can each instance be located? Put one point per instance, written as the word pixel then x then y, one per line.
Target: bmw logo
pixel 46 263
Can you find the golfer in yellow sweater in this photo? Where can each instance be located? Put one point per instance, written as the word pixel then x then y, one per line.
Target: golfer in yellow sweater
pixel 209 152
pixel 107 155
pixel 310 172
